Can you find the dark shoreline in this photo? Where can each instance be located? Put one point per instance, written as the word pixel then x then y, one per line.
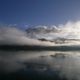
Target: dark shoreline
pixel 38 48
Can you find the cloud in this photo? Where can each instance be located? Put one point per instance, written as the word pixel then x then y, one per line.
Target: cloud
pixel 70 30
pixel 11 35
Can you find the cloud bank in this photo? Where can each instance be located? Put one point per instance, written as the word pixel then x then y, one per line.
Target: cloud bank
pixel 11 35
pixel 14 36
pixel 70 30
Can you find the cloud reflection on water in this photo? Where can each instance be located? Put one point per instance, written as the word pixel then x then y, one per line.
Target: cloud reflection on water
pixel 66 63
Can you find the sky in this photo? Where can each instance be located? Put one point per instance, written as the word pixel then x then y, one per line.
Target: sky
pixel 38 12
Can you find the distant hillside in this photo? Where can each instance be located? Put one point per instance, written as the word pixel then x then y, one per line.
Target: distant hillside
pixel 38 48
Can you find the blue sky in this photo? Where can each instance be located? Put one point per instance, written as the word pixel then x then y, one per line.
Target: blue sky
pixel 39 12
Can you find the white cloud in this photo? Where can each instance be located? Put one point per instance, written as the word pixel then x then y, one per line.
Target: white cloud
pixel 70 30
pixel 10 35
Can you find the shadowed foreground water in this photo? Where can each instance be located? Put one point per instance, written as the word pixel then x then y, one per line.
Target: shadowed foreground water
pixel 39 65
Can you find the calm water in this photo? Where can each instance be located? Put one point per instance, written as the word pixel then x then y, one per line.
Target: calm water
pixel 22 65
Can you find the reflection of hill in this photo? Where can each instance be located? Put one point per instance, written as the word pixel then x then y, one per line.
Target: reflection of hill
pixel 33 71
pixel 36 66
pixel 32 75
pixel 38 48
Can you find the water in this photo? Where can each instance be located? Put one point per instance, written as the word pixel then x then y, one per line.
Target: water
pixel 49 65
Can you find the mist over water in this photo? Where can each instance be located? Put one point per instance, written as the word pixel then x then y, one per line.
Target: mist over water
pixel 14 36
pixel 64 64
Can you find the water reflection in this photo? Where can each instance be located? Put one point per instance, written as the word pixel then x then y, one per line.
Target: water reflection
pixel 48 63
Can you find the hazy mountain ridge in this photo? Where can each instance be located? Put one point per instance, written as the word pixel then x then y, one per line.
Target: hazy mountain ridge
pixel 39 48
